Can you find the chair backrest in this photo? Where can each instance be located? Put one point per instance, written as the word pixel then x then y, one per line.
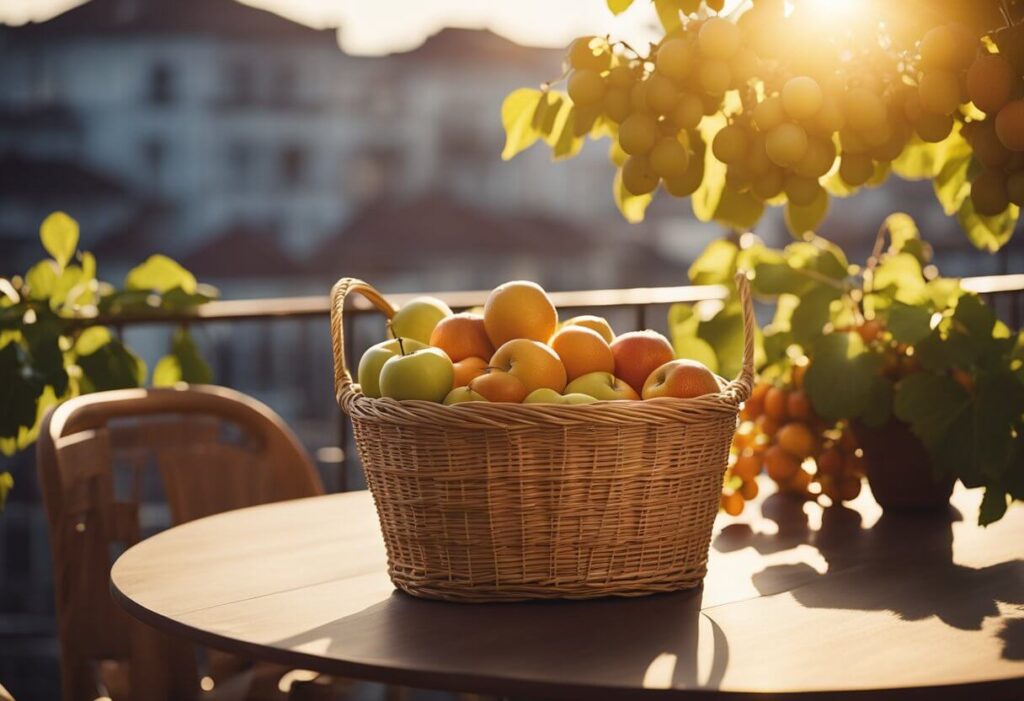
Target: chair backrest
pixel 101 458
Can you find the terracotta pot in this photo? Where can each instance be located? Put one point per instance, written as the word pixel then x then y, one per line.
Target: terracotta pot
pixel 899 469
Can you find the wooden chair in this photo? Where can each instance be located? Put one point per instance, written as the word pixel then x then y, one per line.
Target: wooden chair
pixel 100 457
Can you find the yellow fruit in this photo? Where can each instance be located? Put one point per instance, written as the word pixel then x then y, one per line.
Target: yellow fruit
pixel 669 158
pixel 775 401
pixel 779 464
pixel 637 134
pixel 732 503
pixel 674 59
pixel 802 97
pixel 519 309
pixel 748 466
pixel 940 92
pixel 786 144
pixel 688 112
pixel 797 440
pixel 801 191
pixel 719 38
pixel 934 128
pixel 769 113
pixel 586 87
pixel 730 144
pixel 855 169
pixel 715 77
pixel 662 94
pixel 749 490
pixel 590 52
pixel 1010 125
pixel 990 82
pixel 594 323
pixel 532 363
pixel 637 175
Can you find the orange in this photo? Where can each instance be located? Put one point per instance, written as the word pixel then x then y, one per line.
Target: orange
pixel 462 336
pixel 519 309
pixel 732 503
pixel 467 369
pixel 779 464
pixel 775 404
pixel 582 351
pixel 749 490
pixel 532 363
pixel 796 439
pixel 499 386
pixel 596 323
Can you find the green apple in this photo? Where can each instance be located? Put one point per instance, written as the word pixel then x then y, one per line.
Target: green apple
pixel 460 395
pixel 373 360
pixel 603 386
pixel 425 374
pixel 543 395
pixel 418 318
pixel 577 398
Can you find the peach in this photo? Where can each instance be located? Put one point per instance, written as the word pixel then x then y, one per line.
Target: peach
pixel 499 386
pixel 680 378
pixel 533 363
pixel 462 336
pixel 519 309
pixel 638 354
pixel 467 369
pixel 582 351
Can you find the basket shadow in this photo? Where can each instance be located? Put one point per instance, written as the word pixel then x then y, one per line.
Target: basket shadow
pixel 882 568
pixel 658 641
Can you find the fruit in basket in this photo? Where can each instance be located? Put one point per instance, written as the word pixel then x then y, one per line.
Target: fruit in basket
pixel 499 386
pixel 550 396
pixel 467 369
pixel 462 336
pixel 368 374
pixel 596 323
pixel 519 309
pixel 603 386
pixel 463 394
pixel 582 350
pixel 532 363
pixel 680 378
pixel 639 353
pixel 417 318
pixel 419 374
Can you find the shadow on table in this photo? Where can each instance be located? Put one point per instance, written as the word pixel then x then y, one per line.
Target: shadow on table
pixel 903 564
pixel 657 641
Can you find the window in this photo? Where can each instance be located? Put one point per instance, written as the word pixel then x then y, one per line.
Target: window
pixel 240 157
pixel 240 87
pixel 154 156
pixel 293 166
pixel 285 85
pixel 161 85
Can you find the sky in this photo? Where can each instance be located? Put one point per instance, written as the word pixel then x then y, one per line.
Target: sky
pixel 373 27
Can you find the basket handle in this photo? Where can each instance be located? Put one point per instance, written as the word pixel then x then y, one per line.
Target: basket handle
pixel 741 387
pixel 343 386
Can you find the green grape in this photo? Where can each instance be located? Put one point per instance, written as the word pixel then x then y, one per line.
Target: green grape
pixel 757 160
pixel 617 105
pixel 769 113
pixel 876 136
pixel 744 66
pixel 1010 125
pixel 719 38
pixel 851 141
pixel 830 117
pixel 990 82
pixel 638 177
pixel 988 149
pixel 864 109
pixel 688 111
pixel 689 7
pixel 912 108
pixel 669 158
pixel 715 76
pixel 821 154
pixel 800 190
pixel 737 180
pixel 622 76
pixel 686 184
pixel 939 92
pixel 730 144
pixel 989 193
pixel 786 144
pixel 662 94
pixel 584 118
pixel 891 149
pixel 638 96
pixel 675 58
pixel 586 87
pixel 769 185
pixel 947 47
pixel 715 5
pixel 1015 188
pixel 711 103
pixel 637 133
pixel 934 128
pixel 855 169
pixel 590 53
pixel 802 97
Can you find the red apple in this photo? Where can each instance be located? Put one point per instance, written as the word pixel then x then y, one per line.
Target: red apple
pixel 638 354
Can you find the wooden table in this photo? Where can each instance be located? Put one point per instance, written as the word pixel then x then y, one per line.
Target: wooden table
pixel 829 603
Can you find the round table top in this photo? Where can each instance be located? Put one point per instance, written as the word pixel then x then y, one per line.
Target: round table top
pixel 797 599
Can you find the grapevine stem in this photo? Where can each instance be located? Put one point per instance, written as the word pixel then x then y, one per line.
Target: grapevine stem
pixel 818 277
pixel 546 85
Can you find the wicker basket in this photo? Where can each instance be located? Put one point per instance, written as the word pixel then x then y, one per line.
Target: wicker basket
pixel 503 502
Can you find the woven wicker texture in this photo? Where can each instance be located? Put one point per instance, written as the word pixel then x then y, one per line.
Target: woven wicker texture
pixel 500 502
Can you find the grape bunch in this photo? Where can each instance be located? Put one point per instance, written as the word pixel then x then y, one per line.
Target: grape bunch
pixel 794 113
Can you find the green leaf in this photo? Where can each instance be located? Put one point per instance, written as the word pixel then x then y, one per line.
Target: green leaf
pixel 943 292
pixel 619 6
pixel 705 198
pixel 683 325
pixel 160 274
pixel 987 233
pixel 901 277
pixel 724 333
pixel 930 404
pixel 668 15
pixel 739 211
pixel 59 234
pixel 909 324
pixel 716 265
pixel 805 218
pixel 91 340
pixel 840 378
pixel 43 339
pixel 42 279
pixel 993 506
pixel 902 229
pixel 177 298
pixel 517 117
pixel 810 316
pixel 112 366
pixel 631 206
pixel 194 369
pixel 998 406
pixel 951 182
pixel 878 408
pixel 918 161
pixel 20 388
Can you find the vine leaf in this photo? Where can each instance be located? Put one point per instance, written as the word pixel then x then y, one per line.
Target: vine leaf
pixel 632 207
pixel 619 6
pixel 517 117
pixel 840 377
pixel 801 219
pixel 183 364
pixel 987 233
pixel 160 274
pixel 59 234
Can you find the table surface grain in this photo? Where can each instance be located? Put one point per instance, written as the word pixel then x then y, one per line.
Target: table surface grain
pixel 842 602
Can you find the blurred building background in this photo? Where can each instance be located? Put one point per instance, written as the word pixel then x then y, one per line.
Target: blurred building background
pixel 269 162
